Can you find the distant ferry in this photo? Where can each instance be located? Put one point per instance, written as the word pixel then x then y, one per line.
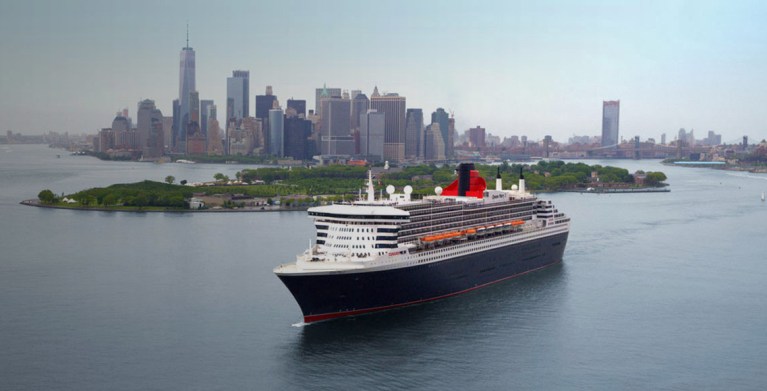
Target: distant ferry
pixel 379 254
pixel 184 161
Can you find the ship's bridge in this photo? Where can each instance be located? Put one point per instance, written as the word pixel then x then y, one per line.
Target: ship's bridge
pixel 356 231
pixel 362 213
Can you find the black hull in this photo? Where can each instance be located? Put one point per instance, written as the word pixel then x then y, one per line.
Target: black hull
pixel 329 296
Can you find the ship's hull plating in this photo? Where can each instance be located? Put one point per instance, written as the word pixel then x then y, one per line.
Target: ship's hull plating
pixel 329 296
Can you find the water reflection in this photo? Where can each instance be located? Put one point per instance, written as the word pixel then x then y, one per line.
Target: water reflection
pixel 432 331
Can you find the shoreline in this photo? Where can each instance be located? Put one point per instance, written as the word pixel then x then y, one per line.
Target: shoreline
pixel 36 203
pixel 722 167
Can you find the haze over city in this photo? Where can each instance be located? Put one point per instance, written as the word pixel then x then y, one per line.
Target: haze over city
pixel 510 67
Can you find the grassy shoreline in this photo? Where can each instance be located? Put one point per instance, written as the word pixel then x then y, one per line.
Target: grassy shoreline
pixel 281 189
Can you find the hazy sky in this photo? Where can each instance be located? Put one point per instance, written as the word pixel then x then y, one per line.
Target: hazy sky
pixel 513 67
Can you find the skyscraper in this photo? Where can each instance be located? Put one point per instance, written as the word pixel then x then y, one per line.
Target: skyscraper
pixel 360 105
pixel 477 137
pixel 176 123
pixel 393 106
pixel 196 141
pixel 414 133
pixel 610 121
pixel 193 126
pixel 296 141
pixel 215 135
pixel 336 136
pixel 372 124
pixel 276 132
pixel 186 85
pixel 205 106
pixel 264 103
pixel 326 92
pixel 299 105
pixel 238 95
pixel 441 117
pixel 149 129
pixel 434 146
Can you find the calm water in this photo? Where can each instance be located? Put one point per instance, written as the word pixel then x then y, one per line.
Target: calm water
pixel 657 291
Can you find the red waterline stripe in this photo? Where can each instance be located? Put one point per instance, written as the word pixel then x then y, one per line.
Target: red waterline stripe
pixel 335 315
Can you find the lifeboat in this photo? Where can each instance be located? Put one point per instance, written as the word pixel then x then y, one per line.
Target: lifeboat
pixel 441 236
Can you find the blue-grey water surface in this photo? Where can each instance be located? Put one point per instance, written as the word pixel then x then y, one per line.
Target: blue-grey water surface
pixel 657 291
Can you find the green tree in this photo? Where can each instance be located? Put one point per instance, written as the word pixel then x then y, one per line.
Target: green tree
pixel 46 197
pixel 170 179
pixel 141 200
pixel 655 178
pixel 110 199
pixel 219 177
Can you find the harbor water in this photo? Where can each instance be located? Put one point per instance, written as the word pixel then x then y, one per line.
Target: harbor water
pixel 656 291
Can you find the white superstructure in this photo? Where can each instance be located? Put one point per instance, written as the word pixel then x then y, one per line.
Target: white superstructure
pixel 395 232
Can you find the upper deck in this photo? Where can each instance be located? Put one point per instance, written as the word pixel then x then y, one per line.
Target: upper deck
pixel 366 232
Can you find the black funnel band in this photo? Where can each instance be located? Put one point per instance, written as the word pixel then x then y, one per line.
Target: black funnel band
pixel 464 178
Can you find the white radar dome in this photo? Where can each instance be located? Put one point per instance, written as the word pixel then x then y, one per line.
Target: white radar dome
pixel 390 189
pixel 438 190
pixel 514 187
pixel 408 189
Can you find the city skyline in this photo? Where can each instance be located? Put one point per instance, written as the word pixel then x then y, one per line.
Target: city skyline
pixel 515 68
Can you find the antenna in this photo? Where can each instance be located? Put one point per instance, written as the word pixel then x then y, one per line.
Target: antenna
pixel 187 33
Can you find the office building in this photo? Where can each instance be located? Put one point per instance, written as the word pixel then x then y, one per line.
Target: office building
pixel 441 117
pixel 610 122
pixel 276 131
pixel 215 134
pixel 413 133
pixel 205 105
pixel 196 142
pixel 297 133
pixel 176 125
pixel 360 105
pixel 186 85
pixel 336 138
pixel 149 128
pixel 238 95
pixel 167 132
pixel 393 106
pixel 371 135
pixel 326 93
pixel 264 103
pixel 299 105
pixel 477 137
pixel 253 133
pixel 434 146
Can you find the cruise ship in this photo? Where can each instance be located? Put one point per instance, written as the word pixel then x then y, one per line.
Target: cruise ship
pixel 376 254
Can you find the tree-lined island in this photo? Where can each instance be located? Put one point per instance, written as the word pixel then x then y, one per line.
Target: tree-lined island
pixel 297 188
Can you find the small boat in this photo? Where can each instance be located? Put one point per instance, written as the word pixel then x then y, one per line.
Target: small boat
pixel 762 196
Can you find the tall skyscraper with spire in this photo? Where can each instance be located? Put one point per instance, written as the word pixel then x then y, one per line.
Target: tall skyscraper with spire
pixel 186 84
